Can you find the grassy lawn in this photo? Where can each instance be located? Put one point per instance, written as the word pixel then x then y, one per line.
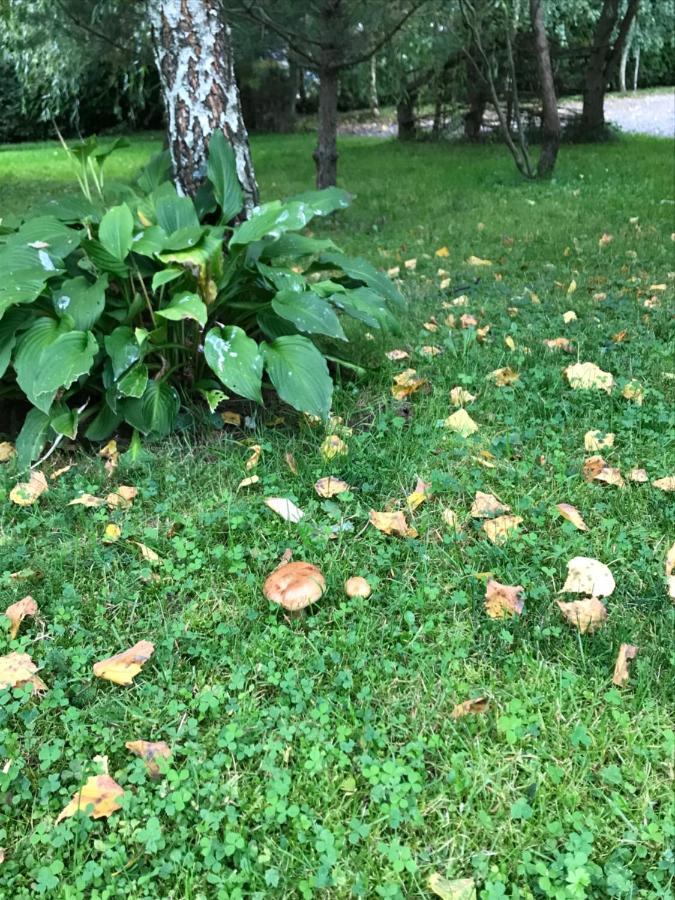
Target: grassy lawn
pixel 319 757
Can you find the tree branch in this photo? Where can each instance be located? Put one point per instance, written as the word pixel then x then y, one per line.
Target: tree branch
pixel 84 26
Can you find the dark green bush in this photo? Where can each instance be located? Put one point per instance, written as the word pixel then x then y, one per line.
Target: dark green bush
pixel 123 314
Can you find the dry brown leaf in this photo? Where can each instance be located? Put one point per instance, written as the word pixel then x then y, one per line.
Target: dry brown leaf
pixel 477 261
pixel 26 493
pixel 468 321
pixel 406 384
pixel 150 752
pixel 57 473
pixel 7 451
pixel 592 466
pixel 485 506
pixel 482 333
pixel 462 300
pixel 559 343
pixel 450 518
pixel 569 316
pixel 470 707
pixel 393 523
pixel 421 493
pixel 291 463
pixel 670 561
pixel 587 615
pixel 18 611
pixel 394 272
pixel 122 498
pixel 610 475
pixel 634 391
pixel 111 455
pixel 112 533
pixel 626 653
pixel 499 530
pixel 87 500
pixel 100 792
pixel 572 514
pixel 445 283
pixel 333 446
pixel 254 458
pixel 502 600
pixel 584 376
pixel 247 482
pixel 285 508
pixel 508 340
pixel 431 326
pixel 410 264
pixel 455 889
pixel 588 576
pixel 620 337
pixel 18 669
pixel 605 239
pixel 148 554
pixel 430 350
pixel 665 484
pixel 461 423
pixel 123 667
pixel 598 440
pixel 503 377
pixel 460 397
pixel 396 355
pixel 638 475
pixel 330 486
pixel 231 418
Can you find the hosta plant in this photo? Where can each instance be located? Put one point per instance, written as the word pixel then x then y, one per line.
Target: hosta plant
pixel 122 314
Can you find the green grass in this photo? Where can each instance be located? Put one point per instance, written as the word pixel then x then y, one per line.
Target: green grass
pixel 319 758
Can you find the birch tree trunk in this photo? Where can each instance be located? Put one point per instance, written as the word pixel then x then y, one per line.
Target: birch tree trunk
pixel 193 53
pixel 373 100
pixel 549 101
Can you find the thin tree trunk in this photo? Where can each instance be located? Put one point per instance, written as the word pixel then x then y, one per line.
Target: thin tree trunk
pixel 549 101
pixel 405 116
pixel 623 66
pixel 373 100
pixel 326 155
pixel 193 53
pixel 478 98
pixel 637 67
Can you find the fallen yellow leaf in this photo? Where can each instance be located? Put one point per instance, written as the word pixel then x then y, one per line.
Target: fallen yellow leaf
pixel 605 239
pixel 289 459
pixel 461 423
pixel 410 264
pixel 419 495
pixel 87 500
pixel 254 458
pixel 457 889
pixel 485 506
pixel 57 473
pixel 111 455
pixel 638 475
pixel 122 498
pixel 393 523
pixel 572 287
pixel 466 320
pixel 26 493
pixel 477 261
pixel 231 418
pixel 665 484
pixel 430 350
pixel 330 486
pixel 18 611
pixel 17 669
pixel 586 615
pixel 285 508
pixel 460 397
pixel 450 518
pixel 147 553
pixel 510 343
pixel 443 252
pixel 626 653
pixel 572 514
pixel 112 533
pixel 470 707
pixel 584 376
pixel 7 451
pixel 406 383
pixel 503 377
pixel 395 355
pixel 150 752
pixel 634 391
pixel 430 326
pixel 559 343
pixel 598 440
pixel 123 667
pixel 333 446
pixel 569 316
pixel 97 798
pixel 588 576
pixel 499 530
pixel 394 272
pixel 503 600
pixel 247 482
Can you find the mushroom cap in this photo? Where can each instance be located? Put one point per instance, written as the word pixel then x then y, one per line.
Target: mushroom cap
pixel 357 587
pixel 295 585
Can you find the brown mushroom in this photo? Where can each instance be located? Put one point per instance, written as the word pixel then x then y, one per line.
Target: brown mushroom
pixel 357 587
pixel 295 586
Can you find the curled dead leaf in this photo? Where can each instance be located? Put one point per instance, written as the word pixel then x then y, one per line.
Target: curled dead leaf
pixel 147 553
pixel 468 321
pixel 88 500
pixel 499 530
pixel 18 611
pixel 123 667
pixel 419 495
pixel 111 455
pixel 122 498
pixel 588 376
pixel 406 384
pixel 587 615
pixel 28 492
pixel 485 506
pixel 150 752
pixel 586 575
pixel 98 798
pixel 57 473
pixel 470 707
pixel 572 514
pixel 18 669
pixel 569 316
pixel 429 350
pixel 393 523
pixel 330 486
pixel 254 458
pixel 285 508
pixel 627 652
pixel 247 482
pixel 503 377
pixel 461 397
pixel 461 423
pixel 291 463
pixel 503 600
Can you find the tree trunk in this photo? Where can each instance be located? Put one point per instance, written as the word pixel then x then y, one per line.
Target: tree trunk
pixel 602 61
pixel 622 67
pixel 373 100
pixel 405 117
pixel 549 101
pixel 193 53
pixel 326 155
pixel 473 119
pixel 637 67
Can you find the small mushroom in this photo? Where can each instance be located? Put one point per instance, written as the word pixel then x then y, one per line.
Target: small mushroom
pixel 295 586
pixel 357 587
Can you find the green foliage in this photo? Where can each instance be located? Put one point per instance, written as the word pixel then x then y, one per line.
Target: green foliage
pixel 125 313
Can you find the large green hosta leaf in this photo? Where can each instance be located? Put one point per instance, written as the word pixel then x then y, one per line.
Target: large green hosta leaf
pixel 299 373
pixel 361 270
pixel 24 272
pixel 134 382
pixel 365 306
pixel 222 173
pixel 309 313
pixel 294 246
pixel 122 348
pixel 46 233
pixel 323 202
pixel 81 300
pixel 116 231
pixel 156 411
pixel 103 260
pixel 174 212
pixel 10 323
pixel 235 359
pixel 32 437
pixel 185 306
pixel 271 220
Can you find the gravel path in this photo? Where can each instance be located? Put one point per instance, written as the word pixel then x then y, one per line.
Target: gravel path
pixel 642 114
